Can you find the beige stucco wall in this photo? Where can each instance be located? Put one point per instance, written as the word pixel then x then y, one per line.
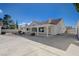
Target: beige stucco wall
pixel 54 30
pixel 77 27
pixel 71 31
pixel 61 27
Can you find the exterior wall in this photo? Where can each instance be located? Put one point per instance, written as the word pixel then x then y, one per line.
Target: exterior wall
pixel 45 31
pixel 10 30
pixel 77 27
pixel 29 30
pixel 54 30
pixel 61 27
pixel 51 30
pixel 22 28
pixel 71 31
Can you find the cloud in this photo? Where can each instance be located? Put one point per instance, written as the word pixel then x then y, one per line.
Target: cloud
pixel 1 11
pixel 29 23
pixel 22 23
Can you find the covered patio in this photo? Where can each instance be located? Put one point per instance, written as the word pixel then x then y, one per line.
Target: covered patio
pixel 40 29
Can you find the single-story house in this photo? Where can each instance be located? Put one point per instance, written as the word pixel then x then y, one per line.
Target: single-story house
pixel 49 27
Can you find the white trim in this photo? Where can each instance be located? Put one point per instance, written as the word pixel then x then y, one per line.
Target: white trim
pixel 37 31
pixel 45 25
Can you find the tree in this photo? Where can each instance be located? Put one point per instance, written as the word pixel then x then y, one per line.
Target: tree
pixel 6 20
pixel 1 19
pixel 16 24
pixel 76 6
pixel 8 23
pixel 12 26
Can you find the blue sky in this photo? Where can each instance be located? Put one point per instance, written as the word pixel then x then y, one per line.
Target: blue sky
pixel 24 13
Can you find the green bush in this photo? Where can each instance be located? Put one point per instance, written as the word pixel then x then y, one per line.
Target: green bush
pixel 12 26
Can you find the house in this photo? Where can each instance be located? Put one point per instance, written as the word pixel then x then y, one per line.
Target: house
pixel 49 27
pixel 22 27
pixel 70 30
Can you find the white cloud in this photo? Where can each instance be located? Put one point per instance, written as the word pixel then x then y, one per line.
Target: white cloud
pixel 22 23
pixel 29 23
pixel 1 11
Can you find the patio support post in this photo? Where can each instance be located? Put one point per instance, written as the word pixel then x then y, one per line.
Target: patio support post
pixel 0 29
pixel 30 29
pixel 37 30
pixel 77 33
pixel 47 31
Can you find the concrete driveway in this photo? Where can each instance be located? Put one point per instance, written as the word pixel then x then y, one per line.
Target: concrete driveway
pixel 26 45
pixel 13 45
pixel 58 41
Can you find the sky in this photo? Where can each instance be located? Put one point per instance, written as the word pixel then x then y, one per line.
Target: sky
pixel 28 12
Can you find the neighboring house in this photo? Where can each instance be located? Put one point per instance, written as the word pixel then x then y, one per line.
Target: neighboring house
pixel 50 27
pixel 22 27
pixel 77 28
pixel 70 30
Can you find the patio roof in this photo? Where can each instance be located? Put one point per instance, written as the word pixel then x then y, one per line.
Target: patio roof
pixel 43 25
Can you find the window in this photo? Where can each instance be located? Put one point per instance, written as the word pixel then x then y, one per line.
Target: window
pixel 27 29
pixel 34 29
pixel 41 29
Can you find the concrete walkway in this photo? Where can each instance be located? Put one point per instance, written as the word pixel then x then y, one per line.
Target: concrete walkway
pixel 19 46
